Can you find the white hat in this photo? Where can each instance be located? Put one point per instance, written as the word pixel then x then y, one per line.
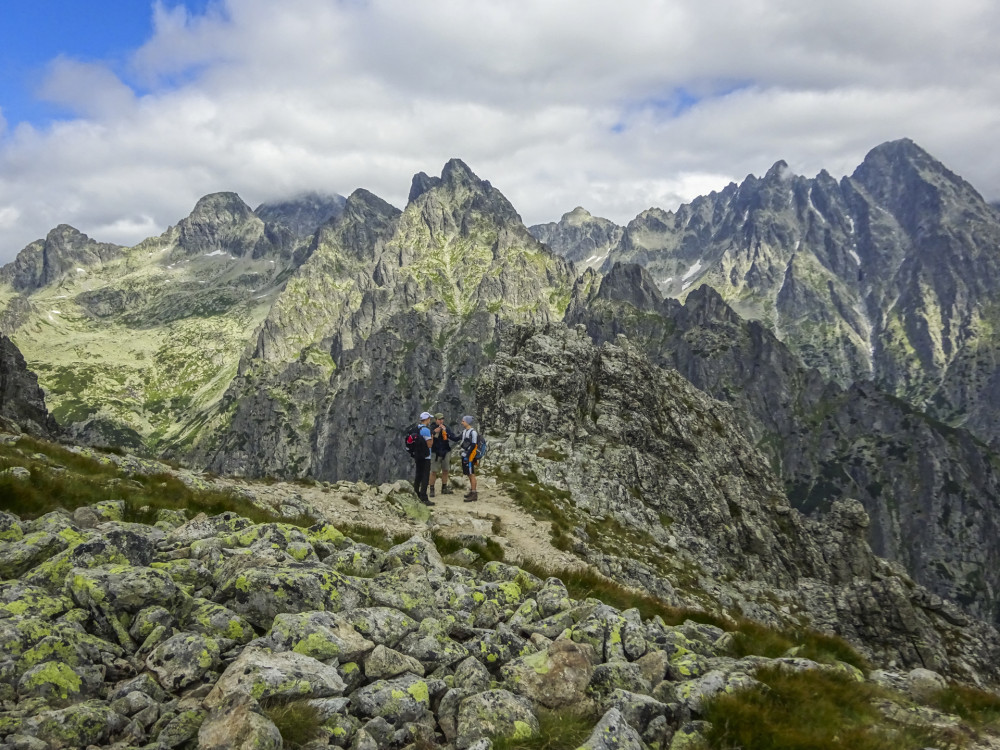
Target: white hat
pixel 425 415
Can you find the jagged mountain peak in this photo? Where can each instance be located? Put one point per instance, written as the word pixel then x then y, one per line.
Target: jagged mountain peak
pixel 779 171
pixel 63 250
pixel 220 206
pixel 303 213
pixel 630 282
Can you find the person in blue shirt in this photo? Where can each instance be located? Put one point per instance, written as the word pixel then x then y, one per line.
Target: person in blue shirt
pixel 423 460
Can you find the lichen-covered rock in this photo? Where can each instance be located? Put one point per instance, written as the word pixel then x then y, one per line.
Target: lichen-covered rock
pixel 403 700
pixel 617 675
pixel 149 619
pixel 179 728
pixel 690 736
pixel 261 593
pixel 18 599
pixel 59 684
pixel 555 677
pixel 640 711
pixel 10 528
pixel 693 693
pixel 407 589
pixel 261 674
pixel 76 726
pixel 123 588
pixel 613 732
pixel 432 646
pixel 20 556
pixel 190 575
pixel 496 647
pixel 357 560
pixel 472 676
pixel 217 621
pixel 494 713
pixel 183 660
pixel 384 663
pixel 321 635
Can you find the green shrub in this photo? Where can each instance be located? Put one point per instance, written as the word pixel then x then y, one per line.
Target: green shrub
pixel 978 707
pixel 297 721
pixel 809 710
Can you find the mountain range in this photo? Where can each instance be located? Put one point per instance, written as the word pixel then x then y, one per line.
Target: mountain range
pixel 847 324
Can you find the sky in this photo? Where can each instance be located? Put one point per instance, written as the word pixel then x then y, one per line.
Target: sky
pixel 117 115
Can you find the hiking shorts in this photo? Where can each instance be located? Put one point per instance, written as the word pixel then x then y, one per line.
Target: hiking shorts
pixel 440 463
pixel 469 468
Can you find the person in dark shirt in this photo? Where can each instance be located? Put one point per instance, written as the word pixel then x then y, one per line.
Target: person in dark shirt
pixel 423 461
pixel 440 454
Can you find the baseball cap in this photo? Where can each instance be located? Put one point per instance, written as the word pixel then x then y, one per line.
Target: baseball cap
pixel 439 415
pixel 425 415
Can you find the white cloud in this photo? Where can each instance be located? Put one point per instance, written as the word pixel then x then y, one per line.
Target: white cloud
pixel 613 107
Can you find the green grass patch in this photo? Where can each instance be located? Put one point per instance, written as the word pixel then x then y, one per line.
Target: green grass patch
pixel 564 729
pixel 978 707
pixel 298 722
pixel 372 535
pixel 62 479
pixel 752 638
pixel 809 710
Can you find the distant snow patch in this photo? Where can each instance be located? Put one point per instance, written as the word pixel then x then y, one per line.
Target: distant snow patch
pixel 81 270
pixel 857 258
pixel 691 271
pixel 685 287
pixel 217 252
pixel 55 312
pixel 667 280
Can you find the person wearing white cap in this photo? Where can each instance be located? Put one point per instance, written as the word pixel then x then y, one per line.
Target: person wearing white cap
pixel 422 459
pixel 470 448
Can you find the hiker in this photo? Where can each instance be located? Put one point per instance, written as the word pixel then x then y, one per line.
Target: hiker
pixel 422 459
pixel 440 454
pixel 470 457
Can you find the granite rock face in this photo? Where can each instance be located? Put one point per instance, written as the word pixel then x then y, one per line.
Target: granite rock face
pixel 22 401
pixel 929 490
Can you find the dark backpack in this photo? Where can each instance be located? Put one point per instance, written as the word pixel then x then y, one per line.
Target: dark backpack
pixel 413 441
pixel 482 447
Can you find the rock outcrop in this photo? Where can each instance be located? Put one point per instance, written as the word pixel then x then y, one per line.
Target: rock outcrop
pixel 63 251
pixel 22 402
pixel 580 237
pixel 654 483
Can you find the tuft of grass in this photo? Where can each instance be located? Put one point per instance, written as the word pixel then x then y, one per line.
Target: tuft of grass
pixel 489 552
pixel 752 638
pixel 564 729
pixel 978 707
pixel 371 535
pixel 298 721
pixel 808 710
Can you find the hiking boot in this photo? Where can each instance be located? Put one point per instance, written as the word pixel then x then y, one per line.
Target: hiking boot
pixel 431 492
pixel 446 490
pixel 471 497
pixel 426 501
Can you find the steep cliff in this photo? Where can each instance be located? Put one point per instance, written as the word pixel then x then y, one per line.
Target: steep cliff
pixel 654 482
pixel 22 402
pixel 930 490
